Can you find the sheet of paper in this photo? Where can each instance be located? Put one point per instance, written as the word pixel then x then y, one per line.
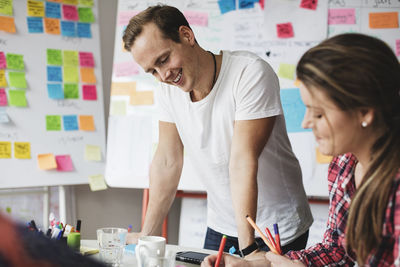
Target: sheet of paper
pixel 47 161
pixel 53 122
pixel 22 150
pixel 125 16
pixel 124 69
pixel 341 16
pixel 17 98
pixel 97 182
pixel 92 153
pixel 196 18
pixel 118 107
pixel 5 150
pixel 86 123
pixel 226 5
pixel 123 88
pixel 64 163
pixel 309 4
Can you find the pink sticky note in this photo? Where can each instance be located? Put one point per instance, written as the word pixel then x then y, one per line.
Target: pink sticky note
pixel 3 97
pixel 126 69
pixel 398 48
pixel 125 16
pixel 86 59
pixel 196 18
pixel 285 30
pixel 3 63
pixel 341 16
pixel 89 92
pixel 64 163
pixel 309 4
pixel 70 13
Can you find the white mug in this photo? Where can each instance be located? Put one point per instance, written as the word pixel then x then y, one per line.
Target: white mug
pixel 149 246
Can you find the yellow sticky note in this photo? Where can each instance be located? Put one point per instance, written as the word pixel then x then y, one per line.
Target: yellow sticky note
pixel 6 7
pixel 322 158
pixel 35 8
pixel 92 153
pixel 52 26
pixel 7 24
pixel 138 98
pixel 286 71
pixel 70 58
pixel 125 88
pixel 22 150
pixel 70 2
pixel 87 75
pixel 86 123
pixel 97 182
pixel 47 161
pixel 3 80
pixel 71 74
pixel 384 20
pixel 88 3
pixel 118 108
pixel 5 150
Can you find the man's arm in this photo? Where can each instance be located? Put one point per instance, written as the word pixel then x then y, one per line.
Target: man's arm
pixel 249 139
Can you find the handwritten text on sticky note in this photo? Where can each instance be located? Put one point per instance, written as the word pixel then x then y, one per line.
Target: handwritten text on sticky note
pixel 384 20
pixel 341 16
pixel 285 30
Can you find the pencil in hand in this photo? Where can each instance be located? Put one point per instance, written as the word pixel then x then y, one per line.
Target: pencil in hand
pixel 264 238
pixel 220 251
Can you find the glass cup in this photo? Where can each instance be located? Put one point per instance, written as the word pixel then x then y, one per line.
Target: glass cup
pixel 111 244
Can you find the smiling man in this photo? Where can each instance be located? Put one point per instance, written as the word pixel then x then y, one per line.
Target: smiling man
pixel 225 111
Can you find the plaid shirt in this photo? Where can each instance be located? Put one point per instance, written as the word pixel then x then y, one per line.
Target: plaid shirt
pixel 331 252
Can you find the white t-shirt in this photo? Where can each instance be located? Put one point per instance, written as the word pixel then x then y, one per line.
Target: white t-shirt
pixel 247 88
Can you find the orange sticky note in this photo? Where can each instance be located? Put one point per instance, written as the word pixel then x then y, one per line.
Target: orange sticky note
pixel 383 20
pixel 126 88
pixel 138 98
pixel 7 24
pixel 47 161
pixel 52 26
pixel 86 123
pixel 87 75
pixel 322 158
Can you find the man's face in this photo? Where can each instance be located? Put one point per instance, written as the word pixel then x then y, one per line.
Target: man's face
pixel 170 62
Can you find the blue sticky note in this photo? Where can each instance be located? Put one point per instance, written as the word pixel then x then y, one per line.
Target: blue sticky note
pixel 53 10
pixel 70 123
pixel 293 109
pixel 84 30
pixel 130 248
pixel 226 5
pixel 68 28
pixel 54 74
pixel 55 91
pixel 243 4
pixel 35 25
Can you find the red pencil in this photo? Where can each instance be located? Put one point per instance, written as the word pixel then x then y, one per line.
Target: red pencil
pixel 220 251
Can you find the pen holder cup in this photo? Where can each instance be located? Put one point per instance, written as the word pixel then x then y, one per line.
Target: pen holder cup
pixel 74 241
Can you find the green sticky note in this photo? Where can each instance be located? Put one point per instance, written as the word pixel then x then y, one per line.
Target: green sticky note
pixel 15 61
pixel 53 123
pixel 17 79
pixel 287 71
pixel 70 58
pixel 85 14
pixel 54 57
pixel 71 91
pixel 6 7
pixel 71 75
pixel 17 98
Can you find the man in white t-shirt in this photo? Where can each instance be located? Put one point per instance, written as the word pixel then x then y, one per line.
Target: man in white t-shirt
pixel 225 111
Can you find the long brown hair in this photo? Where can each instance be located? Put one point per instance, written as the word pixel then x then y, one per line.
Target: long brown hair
pixel 358 71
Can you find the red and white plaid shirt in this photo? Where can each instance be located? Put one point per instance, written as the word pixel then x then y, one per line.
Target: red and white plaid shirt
pixel 331 252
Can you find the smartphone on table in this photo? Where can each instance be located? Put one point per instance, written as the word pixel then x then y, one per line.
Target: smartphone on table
pixel 191 257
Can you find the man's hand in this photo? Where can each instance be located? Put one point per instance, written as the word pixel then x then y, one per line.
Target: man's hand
pixel 278 260
pixel 132 238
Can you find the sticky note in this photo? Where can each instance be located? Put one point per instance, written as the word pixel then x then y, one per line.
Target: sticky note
pixel 68 29
pixel 196 18
pixel 3 80
pixel 6 7
pixel 97 182
pixel 322 158
pixel 293 109
pixel 118 108
pixel 86 59
pixel 85 14
pixel 3 62
pixel 285 30
pixel 383 20
pixel 56 1
pixel 398 47
pixel 287 71
pixel 71 74
pixel 86 123
pixel 70 58
pixel 47 161
pixel 84 30
pixel 138 98
pixel 309 4
pixel 89 92
pixel 92 153
pixel 4 117
pixel 244 4
pixel 71 91
pixel 5 150
pixel 341 16
pixel 125 16
pixel 123 88
pixel 52 26
pixel 53 122
pixel 70 12
pixel 17 98
pixel 35 25
pixel 125 69
pixel 53 10
pixel 70 2
pixel 87 75
pixel 54 74
pixel 54 57
pixel 22 150
pixel 64 163
pixel 88 3
pixel 7 24
pixel 70 123
pixel 17 79
pixel 55 91
pixel 35 8
pixel 3 97
pixel 15 61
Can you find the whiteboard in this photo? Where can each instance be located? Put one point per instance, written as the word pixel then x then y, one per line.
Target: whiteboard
pixel 28 124
pixel 252 29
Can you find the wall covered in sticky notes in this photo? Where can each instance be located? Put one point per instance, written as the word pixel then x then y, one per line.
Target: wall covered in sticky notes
pixel 52 129
pixel 276 30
